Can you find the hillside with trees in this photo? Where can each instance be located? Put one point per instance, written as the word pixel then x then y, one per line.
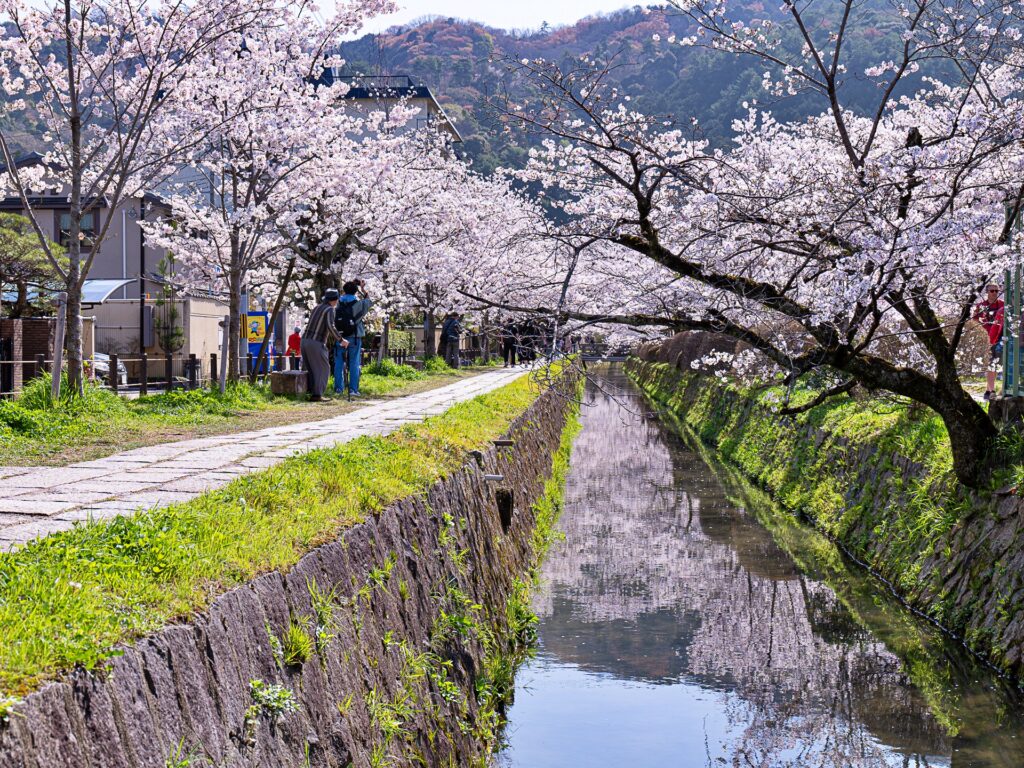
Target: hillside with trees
pixel 462 62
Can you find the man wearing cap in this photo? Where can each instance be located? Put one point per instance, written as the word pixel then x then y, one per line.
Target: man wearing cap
pixel 320 327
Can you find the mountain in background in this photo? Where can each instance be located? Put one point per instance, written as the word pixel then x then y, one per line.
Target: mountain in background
pixel 461 63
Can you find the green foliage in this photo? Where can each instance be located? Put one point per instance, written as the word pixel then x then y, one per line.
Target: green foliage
pixel 270 700
pixel 180 757
pixel 7 704
pixel 402 340
pixel 105 583
pixel 297 646
pixel 32 426
pixel 436 364
pixel 323 603
pixel 457 58
pixel 391 369
pixel 25 270
pixel 170 332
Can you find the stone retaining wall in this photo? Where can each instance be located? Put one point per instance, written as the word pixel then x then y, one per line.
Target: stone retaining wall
pixel 185 694
pixel 969 579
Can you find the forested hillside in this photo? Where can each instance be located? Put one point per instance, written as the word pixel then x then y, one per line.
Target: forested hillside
pixel 461 62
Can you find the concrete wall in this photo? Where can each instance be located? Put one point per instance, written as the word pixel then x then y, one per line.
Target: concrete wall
pixel 117 331
pixel 190 684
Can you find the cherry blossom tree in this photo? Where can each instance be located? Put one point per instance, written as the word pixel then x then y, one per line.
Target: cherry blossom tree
pixel 273 134
pixel 101 75
pixel 853 244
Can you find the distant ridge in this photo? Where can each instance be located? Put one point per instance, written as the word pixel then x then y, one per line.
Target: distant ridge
pixel 452 56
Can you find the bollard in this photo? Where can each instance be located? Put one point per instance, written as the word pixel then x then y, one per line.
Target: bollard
pixel 112 374
pixel 193 372
pixel 169 371
pixel 249 368
pixel 144 376
pixel 213 369
pixel 40 365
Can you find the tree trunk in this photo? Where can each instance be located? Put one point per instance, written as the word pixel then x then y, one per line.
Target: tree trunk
pixel 73 340
pixel 429 346
pixel 234 325
pixel 20 307
pixel 972 437
pixel 485 339
pixel 384 341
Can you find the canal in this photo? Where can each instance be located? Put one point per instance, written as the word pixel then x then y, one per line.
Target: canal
pixel 684 622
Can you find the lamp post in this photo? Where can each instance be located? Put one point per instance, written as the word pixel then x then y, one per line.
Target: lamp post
pixel 1012 313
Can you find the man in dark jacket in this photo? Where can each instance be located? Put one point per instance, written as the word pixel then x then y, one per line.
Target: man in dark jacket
pixel 450 333
pixel 351 312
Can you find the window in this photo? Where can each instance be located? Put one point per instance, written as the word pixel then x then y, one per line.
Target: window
pixel 87 228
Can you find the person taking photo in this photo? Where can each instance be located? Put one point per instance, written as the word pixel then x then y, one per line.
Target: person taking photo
pixel 352 308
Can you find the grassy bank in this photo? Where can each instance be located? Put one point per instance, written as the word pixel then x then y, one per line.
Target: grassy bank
pixel 959 691
pixel 70 598
pixel 833 463
pixel 33 432
pixel 875 475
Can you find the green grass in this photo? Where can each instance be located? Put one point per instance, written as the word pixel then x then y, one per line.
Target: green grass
pixel 70 598
pixel 32 427
pixel 390 369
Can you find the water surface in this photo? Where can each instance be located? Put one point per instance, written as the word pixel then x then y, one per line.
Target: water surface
pixel 683 625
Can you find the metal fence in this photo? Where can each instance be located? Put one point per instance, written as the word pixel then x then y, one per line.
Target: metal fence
pixel 148 374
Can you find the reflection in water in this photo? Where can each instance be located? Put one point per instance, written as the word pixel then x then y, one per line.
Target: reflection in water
pixel 676 632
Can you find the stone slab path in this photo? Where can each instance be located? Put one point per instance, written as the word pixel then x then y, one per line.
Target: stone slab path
pixel 37 501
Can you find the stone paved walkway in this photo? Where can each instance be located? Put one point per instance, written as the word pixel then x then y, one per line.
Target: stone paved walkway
pixel 36 501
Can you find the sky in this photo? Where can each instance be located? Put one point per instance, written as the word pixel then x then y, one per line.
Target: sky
pixel 504 14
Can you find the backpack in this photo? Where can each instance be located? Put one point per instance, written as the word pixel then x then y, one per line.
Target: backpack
pixel 345 318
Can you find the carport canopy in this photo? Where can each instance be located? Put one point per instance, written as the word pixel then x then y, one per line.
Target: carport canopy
pixel 98 291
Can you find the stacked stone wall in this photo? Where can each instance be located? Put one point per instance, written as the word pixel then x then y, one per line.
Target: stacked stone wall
pixel 185 693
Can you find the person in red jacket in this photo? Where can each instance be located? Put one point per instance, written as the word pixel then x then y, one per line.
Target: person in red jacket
pixel 294 347
pixel 990 313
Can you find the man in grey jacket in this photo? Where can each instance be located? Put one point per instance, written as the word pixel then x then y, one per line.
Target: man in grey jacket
pixel 320 327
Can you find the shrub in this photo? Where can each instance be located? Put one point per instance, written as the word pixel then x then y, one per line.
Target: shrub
pixel 391 369
pixel 436 364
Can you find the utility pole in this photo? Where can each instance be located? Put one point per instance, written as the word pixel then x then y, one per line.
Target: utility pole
pixel 142 278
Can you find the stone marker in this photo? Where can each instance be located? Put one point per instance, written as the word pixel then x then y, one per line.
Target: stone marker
pixel 288 383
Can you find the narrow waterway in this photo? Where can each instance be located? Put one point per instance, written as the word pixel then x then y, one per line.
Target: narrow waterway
pixel 683 625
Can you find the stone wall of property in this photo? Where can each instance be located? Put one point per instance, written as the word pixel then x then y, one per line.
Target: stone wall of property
pixel 960 558
pixel 396 678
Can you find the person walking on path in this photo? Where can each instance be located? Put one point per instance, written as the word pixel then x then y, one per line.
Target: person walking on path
pixel 349 317
pixel 294 351
pixel 450 333
pixel 321 326
pixel 991 313
pixel 508 343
